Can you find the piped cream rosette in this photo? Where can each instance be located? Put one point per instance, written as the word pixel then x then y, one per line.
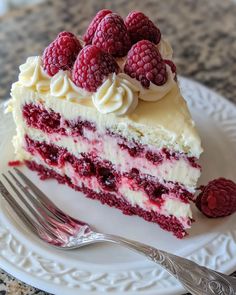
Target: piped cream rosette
pixel 119 93
pixel 63 87
pixel 33 75
pixel 116 95
pixel 155 92
pixel 165 49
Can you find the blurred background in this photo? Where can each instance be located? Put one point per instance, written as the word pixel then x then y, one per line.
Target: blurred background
pixel 6 5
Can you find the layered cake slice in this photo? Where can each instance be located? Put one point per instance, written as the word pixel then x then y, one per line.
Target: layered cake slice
pixel 105 115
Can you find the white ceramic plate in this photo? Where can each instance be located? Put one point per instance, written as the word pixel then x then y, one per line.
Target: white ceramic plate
pixel 108 268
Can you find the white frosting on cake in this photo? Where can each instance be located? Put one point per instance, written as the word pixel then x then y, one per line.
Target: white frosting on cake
pixel 165 49
pixel 165 123
pixel 61 86
pixel 155 92
pixel 32 75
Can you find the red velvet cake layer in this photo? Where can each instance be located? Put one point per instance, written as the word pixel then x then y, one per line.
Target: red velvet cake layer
pixel 170 223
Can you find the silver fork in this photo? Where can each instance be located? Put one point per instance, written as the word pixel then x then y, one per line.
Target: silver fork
pixel 60 230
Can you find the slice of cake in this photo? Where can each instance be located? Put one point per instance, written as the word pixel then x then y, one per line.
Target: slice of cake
pixel 105 115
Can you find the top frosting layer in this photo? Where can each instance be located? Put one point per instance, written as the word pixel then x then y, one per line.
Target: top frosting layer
pixel 119 94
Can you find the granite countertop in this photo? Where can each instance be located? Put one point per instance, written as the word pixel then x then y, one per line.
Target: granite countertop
pixel 202 34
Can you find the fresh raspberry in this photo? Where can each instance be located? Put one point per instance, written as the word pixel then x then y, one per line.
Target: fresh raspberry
pixel 65 33
pixel 217 198
pixel 61 53
pixel 112 36
pixel 92 66
pixel 140 27
pixel 172 66
pixel 145 64
pixel 88 36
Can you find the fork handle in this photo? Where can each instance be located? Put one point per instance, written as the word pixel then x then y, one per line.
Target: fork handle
pixel 195 278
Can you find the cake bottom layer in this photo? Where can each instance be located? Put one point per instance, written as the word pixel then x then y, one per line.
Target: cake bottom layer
pixel 168 223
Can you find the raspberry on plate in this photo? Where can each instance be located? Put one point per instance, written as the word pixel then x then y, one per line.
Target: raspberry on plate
pixel 141 27
pixel 217 198
pixel 145 64
pixel 91 67
pixel 61 53
pixel 88 36
pixel 112 36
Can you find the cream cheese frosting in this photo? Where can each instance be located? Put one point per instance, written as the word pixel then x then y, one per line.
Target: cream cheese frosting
pixel 32 75
pixel 116 95
pixel 155 92
pixel 165 49
pixel 62 86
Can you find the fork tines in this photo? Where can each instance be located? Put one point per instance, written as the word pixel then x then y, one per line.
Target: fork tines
pixel 35 209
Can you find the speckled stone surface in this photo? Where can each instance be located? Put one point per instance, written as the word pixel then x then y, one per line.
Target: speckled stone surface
pixel 202 34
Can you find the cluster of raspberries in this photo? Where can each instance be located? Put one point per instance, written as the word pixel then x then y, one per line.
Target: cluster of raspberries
pixel 109 37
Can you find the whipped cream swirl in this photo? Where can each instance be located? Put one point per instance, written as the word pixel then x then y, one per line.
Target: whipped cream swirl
pixel 155 92
pixel 32 75
pixel 62 86
pixel 165 49
pixel 116 95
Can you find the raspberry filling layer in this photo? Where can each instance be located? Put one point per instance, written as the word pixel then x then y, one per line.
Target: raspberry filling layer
pixel 169 223
pixel 50 122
